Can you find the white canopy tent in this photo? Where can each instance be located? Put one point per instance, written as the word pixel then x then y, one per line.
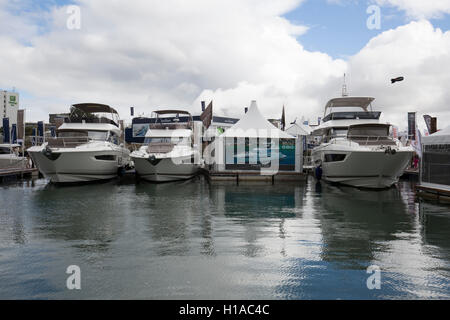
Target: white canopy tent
pixel 299 130
pixel 440 137
pixel 254 125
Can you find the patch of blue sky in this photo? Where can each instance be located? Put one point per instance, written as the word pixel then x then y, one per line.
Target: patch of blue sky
pixel 340 28
pixel 35 14
pixel 31 6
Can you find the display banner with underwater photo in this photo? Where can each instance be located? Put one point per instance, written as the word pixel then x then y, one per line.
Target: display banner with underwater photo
pixel 140 129
pixel 257 153
pixel 287 154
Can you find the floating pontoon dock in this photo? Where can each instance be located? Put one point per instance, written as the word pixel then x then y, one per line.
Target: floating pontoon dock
pixel 246 176
pixel 438 193
pixel 18 172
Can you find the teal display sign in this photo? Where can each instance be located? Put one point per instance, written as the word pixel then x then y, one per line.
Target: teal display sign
pixel 254 154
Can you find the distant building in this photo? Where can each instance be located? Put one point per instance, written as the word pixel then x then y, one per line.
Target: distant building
pixel 9 105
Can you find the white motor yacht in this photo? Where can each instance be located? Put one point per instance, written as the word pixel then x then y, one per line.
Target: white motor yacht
pixel 10 157
pixel 85 149
pixel 357 149
pixel 169 152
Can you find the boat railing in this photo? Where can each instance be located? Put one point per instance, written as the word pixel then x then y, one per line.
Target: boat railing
pixel 67 142
pixel 364 140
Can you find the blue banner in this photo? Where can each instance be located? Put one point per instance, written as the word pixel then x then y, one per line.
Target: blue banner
pixel 33 137
pixel 14 133
pixel 6 130
pixel 40 128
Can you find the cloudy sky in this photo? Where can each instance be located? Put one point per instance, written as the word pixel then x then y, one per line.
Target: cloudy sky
pixel 154 54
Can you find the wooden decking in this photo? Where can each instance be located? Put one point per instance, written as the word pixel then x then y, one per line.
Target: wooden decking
pixel 433 193
pixel 18 172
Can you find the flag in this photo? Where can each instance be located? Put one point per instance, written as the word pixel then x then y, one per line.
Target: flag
pixel 395 132
pixel 427 119
pixel 207 116
pixel 412 126
pixel 417 144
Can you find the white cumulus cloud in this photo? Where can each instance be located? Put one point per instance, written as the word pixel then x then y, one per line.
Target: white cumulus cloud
pixel 175 53
pixel 420 9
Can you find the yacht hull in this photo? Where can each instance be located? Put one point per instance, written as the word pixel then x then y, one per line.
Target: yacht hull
pixel 166 169
pixel 365 169
pixel 79 166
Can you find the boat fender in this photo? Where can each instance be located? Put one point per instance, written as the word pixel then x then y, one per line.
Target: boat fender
pixel 152 159
pixel 318 173
pixel 393 151
pixel 47 151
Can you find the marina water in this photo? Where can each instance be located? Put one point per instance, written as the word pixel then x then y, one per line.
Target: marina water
pixel 193 240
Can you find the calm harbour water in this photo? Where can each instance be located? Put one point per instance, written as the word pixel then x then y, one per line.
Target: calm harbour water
pixel 192 240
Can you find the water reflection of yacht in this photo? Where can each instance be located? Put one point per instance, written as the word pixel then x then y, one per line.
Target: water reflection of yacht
pixel 356 148
pixel 169 153
pixel 86 150
pixel 89 222
pixel 169 226
pixel 435 221
pixel 354 222
pixel 9 156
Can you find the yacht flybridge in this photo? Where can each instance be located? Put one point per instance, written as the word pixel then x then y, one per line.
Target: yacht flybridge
pixel 169 153
pixel 356 148
pixel 87 148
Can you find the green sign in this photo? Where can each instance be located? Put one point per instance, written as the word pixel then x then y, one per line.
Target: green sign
pixel 12 100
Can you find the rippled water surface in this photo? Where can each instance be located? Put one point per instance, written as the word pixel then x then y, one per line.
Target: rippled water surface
pixel 192 240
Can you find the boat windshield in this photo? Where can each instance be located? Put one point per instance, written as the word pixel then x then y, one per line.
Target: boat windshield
pixel 370 115
pixel 92 135
pixel 369 131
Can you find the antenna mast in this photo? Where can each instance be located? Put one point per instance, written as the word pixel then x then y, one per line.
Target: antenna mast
pixel 344 89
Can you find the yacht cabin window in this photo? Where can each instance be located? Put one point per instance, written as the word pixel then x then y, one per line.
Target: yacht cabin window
pixel 113 137
pixel 335 133
pixel 93 135
pixel 369 131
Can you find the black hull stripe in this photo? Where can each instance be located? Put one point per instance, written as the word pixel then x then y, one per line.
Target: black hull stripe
pixel 166 174
pixel 373 176
pixel 84 174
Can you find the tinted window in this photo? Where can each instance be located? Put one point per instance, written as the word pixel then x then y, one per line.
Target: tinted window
pixel 334 157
